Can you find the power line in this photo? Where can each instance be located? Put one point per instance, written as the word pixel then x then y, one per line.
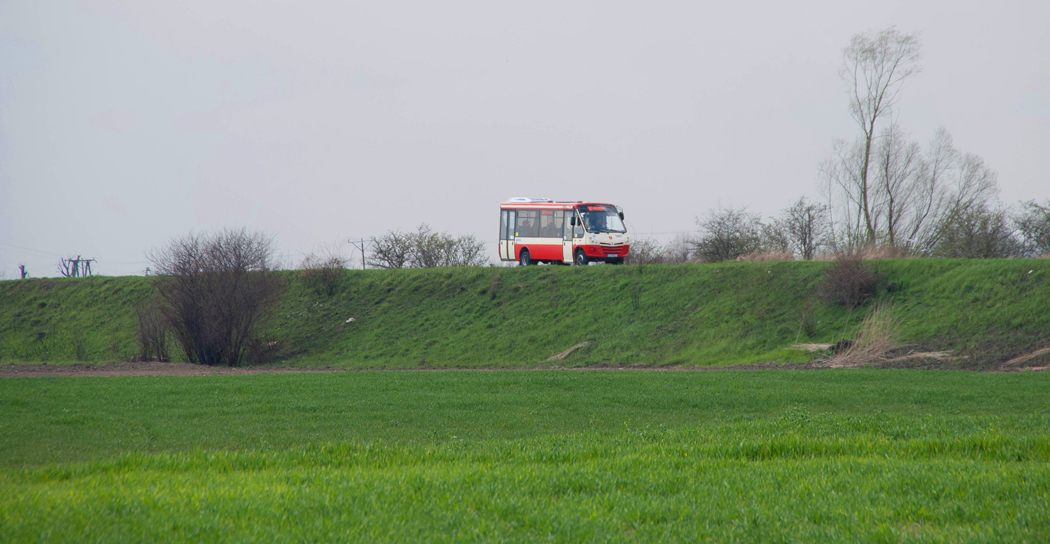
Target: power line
pixel 32 251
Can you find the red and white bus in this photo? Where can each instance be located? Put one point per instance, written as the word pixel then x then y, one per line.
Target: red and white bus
pixel 534 230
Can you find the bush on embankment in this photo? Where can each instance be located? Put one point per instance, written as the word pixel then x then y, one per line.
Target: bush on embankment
pixel 709 314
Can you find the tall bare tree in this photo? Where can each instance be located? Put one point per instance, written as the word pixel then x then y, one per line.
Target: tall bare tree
pixel 898 163
pixel 874 69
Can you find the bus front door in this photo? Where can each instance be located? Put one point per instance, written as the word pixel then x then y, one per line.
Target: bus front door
pixel 512 218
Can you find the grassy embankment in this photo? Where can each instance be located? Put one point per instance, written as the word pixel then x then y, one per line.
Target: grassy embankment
pixel 819 456
pixel 510 317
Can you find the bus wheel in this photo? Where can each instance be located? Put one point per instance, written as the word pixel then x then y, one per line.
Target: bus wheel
pixel 524 259
pixel 581 258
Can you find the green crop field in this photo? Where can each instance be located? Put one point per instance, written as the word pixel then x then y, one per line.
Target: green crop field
pixel 984 311
pixel 565 456
pixel 543 455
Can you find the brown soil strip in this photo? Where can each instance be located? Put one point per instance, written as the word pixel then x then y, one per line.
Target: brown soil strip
pixel 1026 357
pixel 153 368
pixel 569 351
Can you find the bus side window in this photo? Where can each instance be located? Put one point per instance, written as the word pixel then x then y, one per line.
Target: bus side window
pixel 528 224
pixel 567 234
pixel 550 227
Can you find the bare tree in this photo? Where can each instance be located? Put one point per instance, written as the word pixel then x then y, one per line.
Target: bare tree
pixel 874 69
pixel 898 163
pixel 469 251
pixel 1033 228
pixel 216 291
pixel 805 225
pixel 392 250
pixel 979 232
pixel 728 233
pixel 971 186
pixel 431 247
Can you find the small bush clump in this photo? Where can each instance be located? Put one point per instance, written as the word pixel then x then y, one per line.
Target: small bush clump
pixel 848 282
pixel 323 272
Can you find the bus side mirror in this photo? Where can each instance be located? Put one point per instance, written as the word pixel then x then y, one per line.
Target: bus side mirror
pixel 621 216
pixel 572 221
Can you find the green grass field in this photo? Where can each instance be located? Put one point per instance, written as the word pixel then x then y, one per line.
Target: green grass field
pixel 714 314
pixel 773 456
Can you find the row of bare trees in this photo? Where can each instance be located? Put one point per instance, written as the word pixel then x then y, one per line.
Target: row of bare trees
pixel 425 248
pixel 805 230
pixel 883 189
pixel 880 189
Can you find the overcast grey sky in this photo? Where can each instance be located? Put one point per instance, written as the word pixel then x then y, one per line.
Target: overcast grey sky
pixel 126 123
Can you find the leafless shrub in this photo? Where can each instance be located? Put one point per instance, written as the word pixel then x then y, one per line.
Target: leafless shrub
pixel 216 291
pixel 152 332
pixel 979 232
pixel 645 251
pixel 848 282
pixel 649 251
pixel 677 250
pixel 876 338
pixel 322 271
pixel 426 249
pixel 440 249
pixel 774 238
pixel 392 250
pixel 726 234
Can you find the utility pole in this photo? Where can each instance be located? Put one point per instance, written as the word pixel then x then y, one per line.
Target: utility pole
pixel 363 245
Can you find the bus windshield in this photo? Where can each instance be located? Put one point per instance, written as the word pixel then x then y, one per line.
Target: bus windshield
pixel 599 218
